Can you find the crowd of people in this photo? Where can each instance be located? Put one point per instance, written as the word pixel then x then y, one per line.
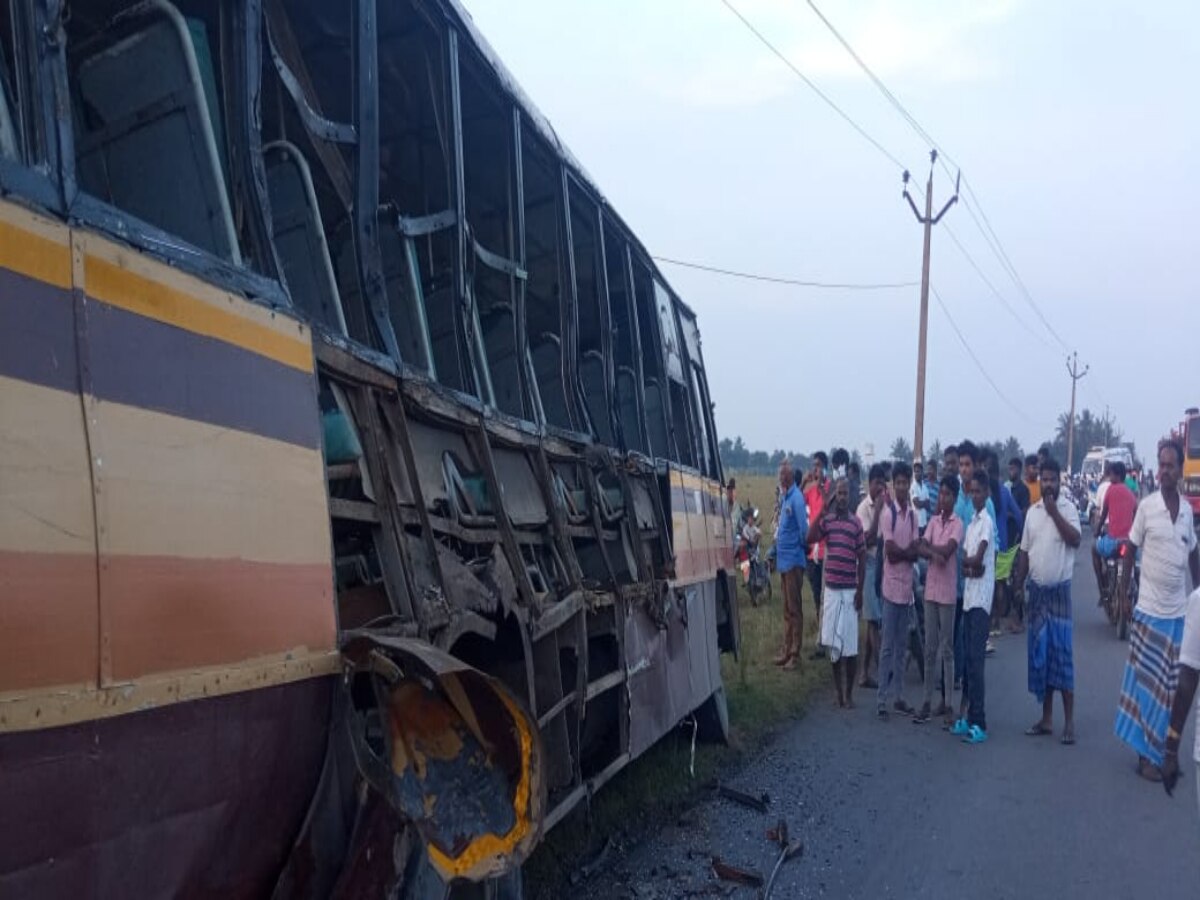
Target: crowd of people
pixel 938 566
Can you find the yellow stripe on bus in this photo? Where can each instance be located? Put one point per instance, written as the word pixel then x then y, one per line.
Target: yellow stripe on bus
pixel 127 290
pixel 34 255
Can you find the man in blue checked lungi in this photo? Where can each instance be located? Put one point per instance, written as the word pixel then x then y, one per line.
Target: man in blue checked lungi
pixel 1163 533
pixel 1044 566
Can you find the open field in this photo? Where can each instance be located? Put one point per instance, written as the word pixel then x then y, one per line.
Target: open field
pixel 658 787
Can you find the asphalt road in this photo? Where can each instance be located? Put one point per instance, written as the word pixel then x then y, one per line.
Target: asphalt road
pixel 890 809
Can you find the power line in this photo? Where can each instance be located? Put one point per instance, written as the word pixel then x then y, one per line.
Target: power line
pixel 1006 262
pixel 795 282
pixel 975 359
pixel 883 88
pixel 812 86
pixel 987 281
pixel 989 233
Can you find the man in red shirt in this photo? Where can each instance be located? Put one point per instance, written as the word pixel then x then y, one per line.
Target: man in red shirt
pixel 1117 511
pixel 817 492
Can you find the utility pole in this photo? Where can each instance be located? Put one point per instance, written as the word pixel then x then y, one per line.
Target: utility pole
pixel 928 221
pixel 1073 370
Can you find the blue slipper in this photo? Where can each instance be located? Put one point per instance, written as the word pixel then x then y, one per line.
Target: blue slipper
pixel 975 735
pixel 960 727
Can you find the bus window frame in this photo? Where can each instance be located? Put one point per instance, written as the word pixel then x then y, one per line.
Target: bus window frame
pixel 36 181
pixel 93 213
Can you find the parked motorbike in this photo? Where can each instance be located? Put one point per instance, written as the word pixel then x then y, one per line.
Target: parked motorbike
pixel 756 574
pixel 1119 613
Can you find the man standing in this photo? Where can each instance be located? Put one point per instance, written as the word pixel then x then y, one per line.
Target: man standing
pixel 854 477
pixel 979 568
pixel 1007 534
pixel 845 566
pixel 1162 530
pixel 1016 484
pixel 900 542
pixel 1032 468
pixel 964 508
pixel 940 547
pixel 735 510
pixel 950 461
pixel 1047 559
pixel 790 534
pixel 921 495
pixel 816 496
pixel 1189 675
pixel 869 511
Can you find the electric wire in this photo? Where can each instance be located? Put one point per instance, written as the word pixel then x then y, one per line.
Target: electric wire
pixel 795 282
pixel 979 365
pixel 985 228
pixel 991 287
pixel 813 87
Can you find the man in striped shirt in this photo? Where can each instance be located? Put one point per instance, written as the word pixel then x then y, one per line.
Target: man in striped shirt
pixel 845 564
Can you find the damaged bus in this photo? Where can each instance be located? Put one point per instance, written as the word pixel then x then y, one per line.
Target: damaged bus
pixel 360 508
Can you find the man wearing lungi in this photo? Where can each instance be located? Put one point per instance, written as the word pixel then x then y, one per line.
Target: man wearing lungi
pixel 1189 676
pixel 1162 531
pixel 1047 559
pixel 845 568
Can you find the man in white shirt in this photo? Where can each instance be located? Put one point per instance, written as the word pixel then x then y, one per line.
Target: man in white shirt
pixel 920 495
pixel 1189 676
pixel 1047 559
pixel 1163 531
pixel 979 580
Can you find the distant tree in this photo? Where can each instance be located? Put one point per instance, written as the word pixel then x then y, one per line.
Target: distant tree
pixel 1090 431
pixel 1011 448
pixel 935 451
pixel 901 451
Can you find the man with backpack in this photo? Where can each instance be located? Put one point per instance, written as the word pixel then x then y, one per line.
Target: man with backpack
pixel 901 540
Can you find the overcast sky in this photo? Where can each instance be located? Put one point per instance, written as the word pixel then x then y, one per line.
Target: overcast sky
pixel 1077 123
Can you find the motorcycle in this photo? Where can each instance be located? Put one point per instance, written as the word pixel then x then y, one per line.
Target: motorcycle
pixel 758 581
pixel 756 574
pixel 1119 613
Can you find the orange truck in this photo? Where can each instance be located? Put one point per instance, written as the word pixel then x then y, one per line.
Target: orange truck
pixel 1188 433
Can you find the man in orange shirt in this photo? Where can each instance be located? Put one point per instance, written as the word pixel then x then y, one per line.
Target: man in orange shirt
pixel 1032 466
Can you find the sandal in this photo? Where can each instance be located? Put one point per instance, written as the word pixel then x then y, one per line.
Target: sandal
pixel 1037 730
pixel 974 735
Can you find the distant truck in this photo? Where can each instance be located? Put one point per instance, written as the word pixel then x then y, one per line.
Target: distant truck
pixel 1188 434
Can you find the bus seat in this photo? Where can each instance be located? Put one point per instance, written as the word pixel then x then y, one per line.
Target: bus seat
pixel 145 135
pixel 546 356
pixel 595 393
pixel 627 407
pixel 655 418
pixel 300 237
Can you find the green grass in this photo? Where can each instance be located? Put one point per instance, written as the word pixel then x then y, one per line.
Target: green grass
pixel 657 787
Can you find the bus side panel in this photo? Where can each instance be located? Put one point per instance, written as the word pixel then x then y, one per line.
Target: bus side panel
pixel 49 621
pixel 210 491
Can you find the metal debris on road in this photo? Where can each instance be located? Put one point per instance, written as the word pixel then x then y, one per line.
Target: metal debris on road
pixel 779 834
pixel 760 803
pixel 727 872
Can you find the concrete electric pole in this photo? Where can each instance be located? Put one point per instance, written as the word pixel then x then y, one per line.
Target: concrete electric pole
pixel 1073 370
pixel 928 220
